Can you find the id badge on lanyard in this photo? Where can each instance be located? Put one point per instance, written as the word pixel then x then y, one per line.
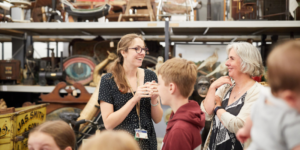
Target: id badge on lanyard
pixel 139 133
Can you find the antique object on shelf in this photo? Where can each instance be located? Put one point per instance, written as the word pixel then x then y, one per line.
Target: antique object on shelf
pixel 39 12
pixel 9 71
pixel 29 78
pixel 5 13
pixel 24 5
pixel 79 69
pixel 276 10
pixel 86 47
pixel 210 61
pixel 100 67
pixel 149 62
pixel 144 11
pixel 54 15
pixel 222 69
pixel 51 75
pixel 244 10
pixel 56 101
pixel 86 14
pixel 91 108
pixel 15 126
pixel 203 84
pixel 55 115
pixel 208 10
pixel 249 2
pixel 167 8
pixel 117 8
pixel 2 104
pixel 7 110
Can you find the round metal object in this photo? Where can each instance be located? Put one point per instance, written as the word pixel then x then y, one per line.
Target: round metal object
pixel 79 69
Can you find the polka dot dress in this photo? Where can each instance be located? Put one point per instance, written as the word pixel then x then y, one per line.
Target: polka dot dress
pixel 110 93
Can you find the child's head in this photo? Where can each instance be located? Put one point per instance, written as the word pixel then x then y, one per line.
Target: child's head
pixel 176 77
pixel 284 72
pixel 54 135
pixel 111 140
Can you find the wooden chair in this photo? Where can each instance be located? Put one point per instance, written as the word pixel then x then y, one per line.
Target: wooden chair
pixel 144 11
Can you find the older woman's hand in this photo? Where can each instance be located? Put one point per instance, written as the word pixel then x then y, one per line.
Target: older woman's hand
pixel 223 80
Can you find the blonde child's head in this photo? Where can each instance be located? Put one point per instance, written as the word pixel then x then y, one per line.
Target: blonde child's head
pixel 284 72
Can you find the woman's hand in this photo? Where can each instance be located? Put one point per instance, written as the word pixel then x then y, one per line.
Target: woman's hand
pixel 152 87
pixel 223 80
pixel 141 92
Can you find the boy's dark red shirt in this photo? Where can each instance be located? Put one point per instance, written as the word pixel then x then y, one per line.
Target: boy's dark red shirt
pixel 183 129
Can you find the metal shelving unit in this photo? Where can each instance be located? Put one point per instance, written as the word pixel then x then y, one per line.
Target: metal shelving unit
pixel 195 31
pixel 153 28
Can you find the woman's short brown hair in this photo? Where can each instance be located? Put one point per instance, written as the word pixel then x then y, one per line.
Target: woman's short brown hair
pixel 61 132
pixel 111 140
pixel 283 66
pixel 181 72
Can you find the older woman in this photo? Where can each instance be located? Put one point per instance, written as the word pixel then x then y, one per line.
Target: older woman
pixel 230 105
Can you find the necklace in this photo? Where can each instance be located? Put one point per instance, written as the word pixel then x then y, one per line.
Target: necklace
pixel 238 93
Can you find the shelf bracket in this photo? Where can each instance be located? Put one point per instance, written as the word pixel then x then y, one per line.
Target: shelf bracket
pixel 85 32
pixel 142 32
pixel 233 39
pixel 206 30
pixel 259 31
pixel 194 39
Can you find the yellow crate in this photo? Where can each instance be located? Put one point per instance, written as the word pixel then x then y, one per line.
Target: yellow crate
pixel 13 125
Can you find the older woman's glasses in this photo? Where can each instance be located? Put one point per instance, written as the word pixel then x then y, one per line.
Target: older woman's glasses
pixel 140 50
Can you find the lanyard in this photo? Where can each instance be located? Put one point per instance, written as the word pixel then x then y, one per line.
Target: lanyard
pixel 137 104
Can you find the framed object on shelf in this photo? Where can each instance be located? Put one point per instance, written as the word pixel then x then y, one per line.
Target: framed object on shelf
pixel 210 59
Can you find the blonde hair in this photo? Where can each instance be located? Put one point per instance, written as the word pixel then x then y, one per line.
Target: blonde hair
pixel 251 61
pixel 283 66
pixel 181 72
pixel 111 140
pixel 61 132
pixel 117 69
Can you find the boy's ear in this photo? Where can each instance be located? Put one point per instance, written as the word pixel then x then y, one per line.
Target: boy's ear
pixel 172 87
pixel 68 148
pixel 290 97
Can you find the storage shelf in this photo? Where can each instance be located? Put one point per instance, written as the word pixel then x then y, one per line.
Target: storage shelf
pixel 83 28
pixel 36 88
pixel 153 28
pixel 235 27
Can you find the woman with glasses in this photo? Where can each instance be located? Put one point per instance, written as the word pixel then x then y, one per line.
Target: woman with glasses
pixel 128 95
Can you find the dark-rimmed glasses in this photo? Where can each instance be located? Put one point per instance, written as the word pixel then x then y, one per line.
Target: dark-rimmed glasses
pixel 139 49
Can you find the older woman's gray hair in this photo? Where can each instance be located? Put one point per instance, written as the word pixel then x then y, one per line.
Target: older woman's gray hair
pixel 251 61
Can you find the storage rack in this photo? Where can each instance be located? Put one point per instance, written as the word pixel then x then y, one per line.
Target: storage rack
pixel 223 31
